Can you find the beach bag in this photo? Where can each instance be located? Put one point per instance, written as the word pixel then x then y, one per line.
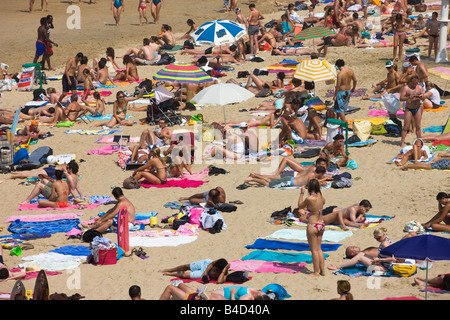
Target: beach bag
pixel 37 94
pixel 131 183
pixel 165 59
pixel 379 129
pixel 237 277
pixel 362 129
pixel 147 85
pixel 413 226
pixel 123 157
pixel 391 103
pixel 194 216
pixel 404 270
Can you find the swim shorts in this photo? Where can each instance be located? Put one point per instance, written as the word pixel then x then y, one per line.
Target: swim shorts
pixel 47 191
pixel 252 30
pixel 40 48
pixel 442 164
pixel 209 50
pixel 48 47
pixel 197 268
pixel 297 139
pixel 327 41
pixel 282 183
pixel 62 204
pixel 65 84
pixel 287 173
pixel 342 100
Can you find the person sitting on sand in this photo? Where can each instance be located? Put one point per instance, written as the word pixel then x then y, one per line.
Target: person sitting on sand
pixel 102 76
pixel 166 39
pixel 379 261
pixel 29 132
pixel 109 219
pixel 206 270
pixel 154 170
pixel 59 192
pixel 135 292
pixel 158 137
pixel 440 221
pixel 336 149
pixel 209 197
pixel 120 107
pixel 417 152
pixel 99 109
pixel 130 73
pixel 62 114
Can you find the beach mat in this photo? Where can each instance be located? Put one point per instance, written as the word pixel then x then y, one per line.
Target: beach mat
pixel 280 256
pixel 184 183
pixel 260 266
pixel 285 245
pixel 296 234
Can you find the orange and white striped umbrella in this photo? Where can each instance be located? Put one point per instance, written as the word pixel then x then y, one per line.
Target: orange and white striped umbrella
pixel 315 70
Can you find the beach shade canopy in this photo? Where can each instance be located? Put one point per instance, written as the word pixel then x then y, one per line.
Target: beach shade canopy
pixel 315 70
pixel 312 33
pixel 422 247
pixel 222 94
pixel 218 32
pixel 182 73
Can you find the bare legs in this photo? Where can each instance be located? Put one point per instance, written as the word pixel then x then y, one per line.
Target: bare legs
pixel 315 245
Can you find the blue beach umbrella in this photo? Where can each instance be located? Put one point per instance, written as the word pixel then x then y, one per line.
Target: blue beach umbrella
pixel 424 247
pixel 218 32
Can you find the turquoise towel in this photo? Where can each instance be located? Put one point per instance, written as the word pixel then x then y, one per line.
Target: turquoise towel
pixel 280 257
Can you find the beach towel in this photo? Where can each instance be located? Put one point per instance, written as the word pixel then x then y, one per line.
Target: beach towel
pixel 383 113
pixel 284 245
pixel 361 271
pixel 266 266
pixel 73 250
pixel 95 202
pixel 111 139
pixel 63 225
pixel 33 274
pixel 357 93
pixel 186 233
pixel 104 150
pixel 184 183
pixel 104 117
pixel 52 261
pixel 373 221
pixel 92 132
pixel 280 256
pixel 434 290
pixel 200 280
pixel 363 143
pixel 434 129
pixel 45 217
pixel 295 234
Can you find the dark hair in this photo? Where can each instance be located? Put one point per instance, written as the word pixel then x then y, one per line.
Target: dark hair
pixel 442 195
pixel 84 60
pixel 134 291
pixel 59 174
pixel 365 203
pixel 117 192
pixel 73 166
pixel 119 93
pixel 101 63
pixel 414 77
pixel 190 22
pixel 320 170
pixel 413 58
pixel 127 59
pixel 220 264
pixel 296 82
pixel 233 47
pixel 110 52
pixel 4 273
pixel 281 75
pixel 214 192
pixel 96 95
pixel 86 71
pixel 80 55
pixel 318 160
pixel 74 97
pixel 51 110
pixel 251 5
pixel 355 15
pixel 43 20
pixel 340 63
pixel 338 137
pixel 314 186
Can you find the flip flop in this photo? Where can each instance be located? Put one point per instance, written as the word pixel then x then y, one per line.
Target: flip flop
pixel 242 186
pixel 237 202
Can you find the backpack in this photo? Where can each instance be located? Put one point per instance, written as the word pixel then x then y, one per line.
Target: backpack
pixel 392 128
pixel 37 93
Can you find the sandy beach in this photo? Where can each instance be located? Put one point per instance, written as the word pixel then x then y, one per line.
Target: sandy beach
pixel 401 195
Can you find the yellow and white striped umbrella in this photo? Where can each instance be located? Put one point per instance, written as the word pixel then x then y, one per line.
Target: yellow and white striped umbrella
pixel 315 70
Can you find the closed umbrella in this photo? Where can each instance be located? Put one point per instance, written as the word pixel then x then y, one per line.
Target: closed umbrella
pixel 182 73
pixel 222 94
pixel 423 247
pixel 218 32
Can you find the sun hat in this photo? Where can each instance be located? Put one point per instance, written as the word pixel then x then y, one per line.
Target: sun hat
pixel 389 63
pixel 406 65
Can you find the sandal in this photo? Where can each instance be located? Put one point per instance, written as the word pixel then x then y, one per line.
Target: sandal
pixel 242 186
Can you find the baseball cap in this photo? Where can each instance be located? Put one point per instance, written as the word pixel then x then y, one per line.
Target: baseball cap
pixel 238 9
pixel 243 125
pixel 389 63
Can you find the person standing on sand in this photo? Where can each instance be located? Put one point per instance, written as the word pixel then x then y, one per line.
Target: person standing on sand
pixel 155 8
pixel 69 82
pixel 117 6
pixel 253 26
pixel 343 88
pixel 412 94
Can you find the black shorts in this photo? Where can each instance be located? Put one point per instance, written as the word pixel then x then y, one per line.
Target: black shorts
pixel 65 84
pixel 327 41
pixel 50 170
pixel 209 50
pixel 166 46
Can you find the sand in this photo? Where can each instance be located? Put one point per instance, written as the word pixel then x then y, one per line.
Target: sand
pixel 407 195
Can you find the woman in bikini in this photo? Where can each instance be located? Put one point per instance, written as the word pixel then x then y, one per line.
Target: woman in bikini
pixel 117 7
pixel 269 120
pixel 314 130
pixel 399 27
pixel 120 111
pixel 175 168
pixel 130 73
pixel 61 189
pixel 142 9
pixel 156 7
pixel 154 171
pixel 259 84
pixel 314 205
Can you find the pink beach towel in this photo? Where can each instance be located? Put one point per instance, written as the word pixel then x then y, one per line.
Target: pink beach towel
pixel 383 113
pixel 266 266
pixel 34 206
pixel 194 176
pixel 45 217
pixel 104 150
pixel 185 183
pixel 200 280
pixel 111 140
pixel 34 274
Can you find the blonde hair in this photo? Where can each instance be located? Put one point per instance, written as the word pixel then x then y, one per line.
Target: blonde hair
pixel 157 153
pixel 51 90
pixel 380 232
pixel 344 287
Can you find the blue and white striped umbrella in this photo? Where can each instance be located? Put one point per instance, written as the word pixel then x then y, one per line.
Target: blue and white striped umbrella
pixel 218 32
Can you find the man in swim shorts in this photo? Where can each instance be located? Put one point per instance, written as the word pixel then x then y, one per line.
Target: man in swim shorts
pixel 412 94
pixel 69 82
pixel 42 38
pixel 441 162
pixel 343 88
pixel 253 28
pixel 206 270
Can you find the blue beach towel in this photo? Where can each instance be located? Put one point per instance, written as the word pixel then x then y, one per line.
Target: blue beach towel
pixel 284 245
pixel 63 225
pixel 75 250
pixel 280 257
pixel 361 271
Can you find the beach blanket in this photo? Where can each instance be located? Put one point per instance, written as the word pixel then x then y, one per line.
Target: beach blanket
pixel 104 117
pixel 434 290
pixel 186 233
pixel 52 261
pixel 73 250
pixel 357 93
pixel 285 245
pixel 200 280
pixel 63 225
pixel 360 270
pixel 92 132
pixel 434 129
pixel 296 234
pixel 282 67
pixel 105 150
pixel 184 183
pixel 95 202
pixel 280 256
pixel 139 219
pixel 111 139
pixel 45 217
pixel 383 113
pixel 194 176
pixel 363 143
pixel 33 274
pixel 260 266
